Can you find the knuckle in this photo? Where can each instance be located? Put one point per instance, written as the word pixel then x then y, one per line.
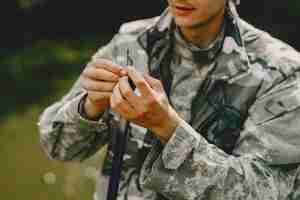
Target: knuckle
pixel 141 115
pixel 152 101
pixel 82 79
pixel 85 71
pixel 85 84
pixel 88 71
pixel 113 77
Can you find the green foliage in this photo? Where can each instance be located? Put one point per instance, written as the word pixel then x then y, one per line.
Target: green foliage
pixel 29 4
pixel 25 167
pixel 25 4
pixel 28 73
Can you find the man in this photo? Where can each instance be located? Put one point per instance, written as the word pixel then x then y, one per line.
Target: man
pixel 217 105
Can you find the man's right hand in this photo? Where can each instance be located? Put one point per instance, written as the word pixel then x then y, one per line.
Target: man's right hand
pixel 99 79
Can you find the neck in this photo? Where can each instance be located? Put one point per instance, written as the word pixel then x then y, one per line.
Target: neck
pixel 202 35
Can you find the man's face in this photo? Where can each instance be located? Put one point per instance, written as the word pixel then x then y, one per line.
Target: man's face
pixel 195 13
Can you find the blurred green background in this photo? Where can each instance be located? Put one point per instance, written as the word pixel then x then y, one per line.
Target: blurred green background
pixel 44 47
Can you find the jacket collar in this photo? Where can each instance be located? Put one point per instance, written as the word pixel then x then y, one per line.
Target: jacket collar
pixel 159 34
pixel 160 29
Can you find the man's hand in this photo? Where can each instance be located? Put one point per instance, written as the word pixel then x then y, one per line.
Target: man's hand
pixel 98 79
pixel 149 109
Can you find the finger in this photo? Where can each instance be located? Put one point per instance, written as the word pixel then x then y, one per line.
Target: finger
pixel 99 96
pixel 100 74
pixel 154 83
pixel 120 105
pixel 139 81
pixel 110 66
pixel 126 90
pixel 98 86
pixel 138 103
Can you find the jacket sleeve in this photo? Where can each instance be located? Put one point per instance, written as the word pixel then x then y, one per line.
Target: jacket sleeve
pixel 188 167
pixel 64 133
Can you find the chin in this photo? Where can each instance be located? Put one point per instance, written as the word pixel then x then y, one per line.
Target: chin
pixel 186 23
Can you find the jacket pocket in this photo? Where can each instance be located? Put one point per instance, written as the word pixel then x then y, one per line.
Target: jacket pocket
pixel 276 104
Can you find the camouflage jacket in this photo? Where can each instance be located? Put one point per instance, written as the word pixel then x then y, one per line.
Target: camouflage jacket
pixel 243 140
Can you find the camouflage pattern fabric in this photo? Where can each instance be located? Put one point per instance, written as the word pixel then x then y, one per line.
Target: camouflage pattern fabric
pixel 242 140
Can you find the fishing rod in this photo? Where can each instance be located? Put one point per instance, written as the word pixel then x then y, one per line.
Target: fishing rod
pixel 119 131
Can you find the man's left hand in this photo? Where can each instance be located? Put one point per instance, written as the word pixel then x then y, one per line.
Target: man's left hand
pixel 149 109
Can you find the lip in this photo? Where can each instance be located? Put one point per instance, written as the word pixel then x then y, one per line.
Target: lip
pixel 183 9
